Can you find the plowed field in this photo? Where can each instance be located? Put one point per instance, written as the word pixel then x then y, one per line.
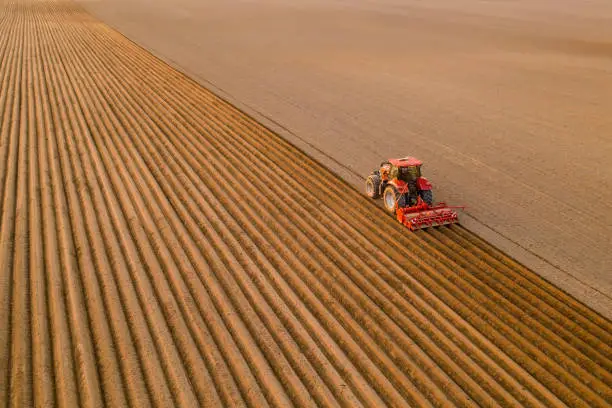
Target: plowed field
pixel 158 247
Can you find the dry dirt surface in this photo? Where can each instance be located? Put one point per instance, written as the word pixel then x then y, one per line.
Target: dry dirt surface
pixel 158 247
pixel 508 102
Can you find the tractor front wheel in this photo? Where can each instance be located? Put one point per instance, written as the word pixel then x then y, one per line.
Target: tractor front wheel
pixel 392 199
pixel 427 196
pixel 373 186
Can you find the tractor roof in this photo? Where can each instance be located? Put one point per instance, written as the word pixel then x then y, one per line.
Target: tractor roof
pixel 405 162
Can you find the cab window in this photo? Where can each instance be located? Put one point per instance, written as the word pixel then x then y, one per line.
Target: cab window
pixel 393 172
pixel 409 173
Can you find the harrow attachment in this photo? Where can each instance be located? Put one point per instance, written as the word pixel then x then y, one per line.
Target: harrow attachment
pixel 421 215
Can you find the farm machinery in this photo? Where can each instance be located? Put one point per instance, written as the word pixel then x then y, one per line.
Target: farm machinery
pixel 408 195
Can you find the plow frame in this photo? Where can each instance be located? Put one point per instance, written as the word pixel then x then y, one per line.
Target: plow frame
pixel 421 215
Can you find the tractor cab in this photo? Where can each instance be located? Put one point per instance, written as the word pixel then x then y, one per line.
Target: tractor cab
pixel 407 169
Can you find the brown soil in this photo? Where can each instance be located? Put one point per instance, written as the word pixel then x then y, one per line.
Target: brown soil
pixel 158 247
pixel 508 102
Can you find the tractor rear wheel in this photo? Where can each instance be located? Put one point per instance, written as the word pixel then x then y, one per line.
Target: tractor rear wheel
pixel 373 186
pixel 392 199
pixel 427 196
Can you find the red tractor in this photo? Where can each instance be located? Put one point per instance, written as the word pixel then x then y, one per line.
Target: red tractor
pixel 407 194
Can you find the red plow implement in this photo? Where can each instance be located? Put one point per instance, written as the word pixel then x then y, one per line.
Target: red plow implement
pixel 422 215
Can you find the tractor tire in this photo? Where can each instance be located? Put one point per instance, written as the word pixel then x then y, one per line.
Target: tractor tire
pixel 392 199
pixel 427 196
pixel 373 186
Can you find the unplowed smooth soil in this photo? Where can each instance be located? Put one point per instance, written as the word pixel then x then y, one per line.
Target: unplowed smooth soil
pixel 158 247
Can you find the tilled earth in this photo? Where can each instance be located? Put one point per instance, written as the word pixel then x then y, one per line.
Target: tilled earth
pixel 158 247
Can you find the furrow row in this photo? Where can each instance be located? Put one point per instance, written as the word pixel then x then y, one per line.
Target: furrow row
pixel 12 91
